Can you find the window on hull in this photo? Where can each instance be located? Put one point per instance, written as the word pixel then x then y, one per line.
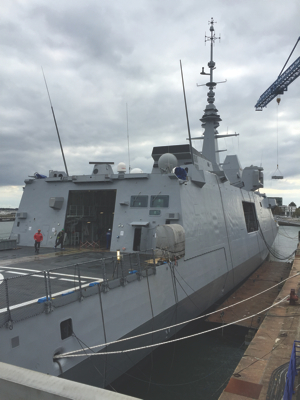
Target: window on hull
pixel 159 201
pixel 139 201
pixel 250 217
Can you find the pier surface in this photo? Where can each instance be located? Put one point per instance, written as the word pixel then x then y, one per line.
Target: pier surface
pixel 270 348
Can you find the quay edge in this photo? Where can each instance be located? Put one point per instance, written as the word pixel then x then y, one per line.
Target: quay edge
pixel 270 348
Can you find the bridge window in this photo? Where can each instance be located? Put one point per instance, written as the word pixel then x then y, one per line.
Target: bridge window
pixel 159 201
pixel 250 217
pixel 139 201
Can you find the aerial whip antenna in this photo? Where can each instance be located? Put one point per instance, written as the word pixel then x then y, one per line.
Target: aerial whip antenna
pixel 62 152
pixel 128 138
pixel 187 116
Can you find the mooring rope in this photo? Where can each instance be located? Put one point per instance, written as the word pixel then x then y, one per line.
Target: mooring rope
pixel 72 353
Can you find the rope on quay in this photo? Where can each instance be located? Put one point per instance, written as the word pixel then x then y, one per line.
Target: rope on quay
pixel 72 353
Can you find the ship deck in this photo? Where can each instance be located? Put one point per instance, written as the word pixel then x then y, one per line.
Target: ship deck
pixel 270 348
pixel 23 275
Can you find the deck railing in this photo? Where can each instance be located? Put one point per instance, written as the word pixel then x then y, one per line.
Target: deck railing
pixel 25 296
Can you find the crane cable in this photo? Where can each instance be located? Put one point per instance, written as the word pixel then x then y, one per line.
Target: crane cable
pixel 277 176
pixel 278 102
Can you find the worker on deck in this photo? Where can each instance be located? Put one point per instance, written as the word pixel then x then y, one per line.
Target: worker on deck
pixel 60 239
pixel 38 238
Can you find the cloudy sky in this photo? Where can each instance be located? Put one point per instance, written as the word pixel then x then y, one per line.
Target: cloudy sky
pixel 100 55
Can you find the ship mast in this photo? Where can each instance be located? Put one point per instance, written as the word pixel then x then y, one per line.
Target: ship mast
pixel 211 118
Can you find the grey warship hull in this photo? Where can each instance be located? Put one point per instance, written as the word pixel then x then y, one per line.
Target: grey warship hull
pixel 220 251
pixel 182 237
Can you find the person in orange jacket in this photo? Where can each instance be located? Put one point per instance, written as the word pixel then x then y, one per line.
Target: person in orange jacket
pixel 38 237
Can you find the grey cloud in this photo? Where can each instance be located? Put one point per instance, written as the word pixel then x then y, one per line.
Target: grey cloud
pixel 99 56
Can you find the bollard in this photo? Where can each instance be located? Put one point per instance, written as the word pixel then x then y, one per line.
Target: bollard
pixel 293 297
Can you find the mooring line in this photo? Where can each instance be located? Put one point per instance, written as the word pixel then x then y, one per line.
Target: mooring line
pixel 185 322
pixel 65 355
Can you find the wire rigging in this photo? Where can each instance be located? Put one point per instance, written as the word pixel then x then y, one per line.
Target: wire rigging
pixel 81 343
pixel 54 118
pixel 129 167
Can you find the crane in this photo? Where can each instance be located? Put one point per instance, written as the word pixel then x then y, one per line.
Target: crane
pixel 281 84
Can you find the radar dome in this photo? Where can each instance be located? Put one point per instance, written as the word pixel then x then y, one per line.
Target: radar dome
pixel 121 167
pixel 136 171
pixel 167 162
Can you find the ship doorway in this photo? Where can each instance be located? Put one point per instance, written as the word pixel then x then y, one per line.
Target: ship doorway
pixel 137 239
pixel 90 213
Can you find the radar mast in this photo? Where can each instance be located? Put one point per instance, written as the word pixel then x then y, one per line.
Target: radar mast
pixel 211 118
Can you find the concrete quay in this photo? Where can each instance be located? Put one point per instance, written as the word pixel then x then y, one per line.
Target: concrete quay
pixel 24 384
pixel 270 348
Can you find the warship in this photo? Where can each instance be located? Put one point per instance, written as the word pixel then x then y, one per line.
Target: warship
pixel 182 237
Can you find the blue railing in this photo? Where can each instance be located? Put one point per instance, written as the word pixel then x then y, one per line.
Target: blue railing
pixel 292 372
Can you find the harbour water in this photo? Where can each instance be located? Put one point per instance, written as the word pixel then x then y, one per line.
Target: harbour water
pixel 285 242
pixel 5 229
pixel 195 368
